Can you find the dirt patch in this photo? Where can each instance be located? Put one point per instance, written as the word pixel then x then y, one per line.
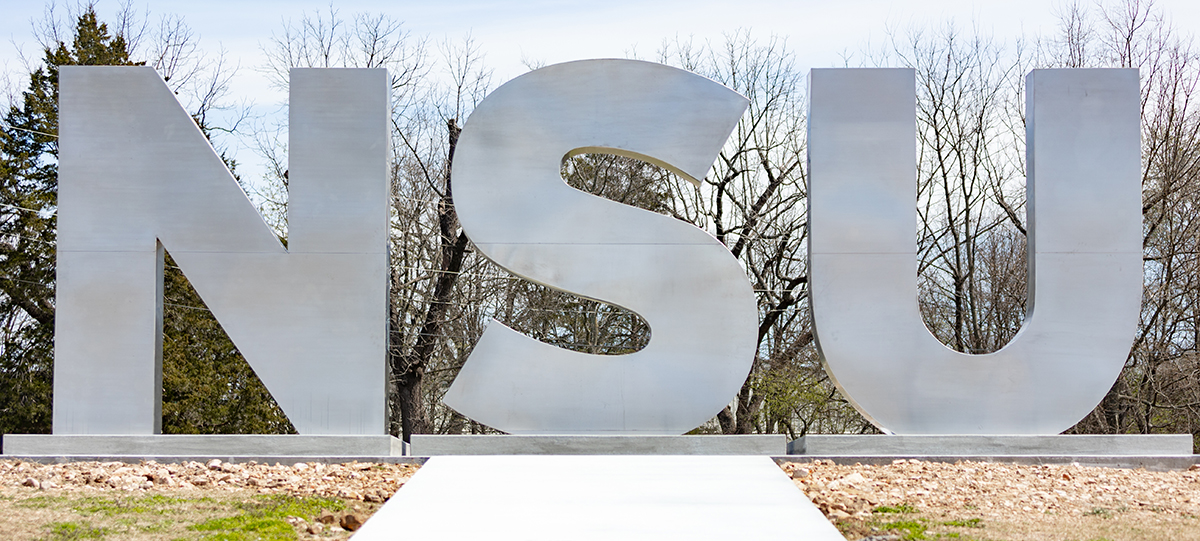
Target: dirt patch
pixel 971 500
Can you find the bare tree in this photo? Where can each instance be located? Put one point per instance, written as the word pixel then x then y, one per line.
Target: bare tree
pixel 965 237
pixel 754 203
pixel 324 39
pixel 425 297
pixel 970 121
pixel 1072 45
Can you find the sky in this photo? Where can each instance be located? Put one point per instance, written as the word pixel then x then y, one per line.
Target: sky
pixel 820 32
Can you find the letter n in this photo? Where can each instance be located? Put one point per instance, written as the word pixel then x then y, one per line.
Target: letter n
pixel 137 175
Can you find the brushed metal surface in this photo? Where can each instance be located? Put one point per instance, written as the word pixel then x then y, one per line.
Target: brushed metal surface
pixel 518 211
pixel 136 174
pixel 1085 258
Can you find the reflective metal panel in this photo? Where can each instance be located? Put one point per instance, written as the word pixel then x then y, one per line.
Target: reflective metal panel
pixel 311 320
pixel 1084 201
pixel 518 211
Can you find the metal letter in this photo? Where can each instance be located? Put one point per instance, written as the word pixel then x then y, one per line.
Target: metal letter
pixel 1085 257
pixel 136 174
pixel 517 209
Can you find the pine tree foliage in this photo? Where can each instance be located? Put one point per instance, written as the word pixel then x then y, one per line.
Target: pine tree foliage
pixel 208 387
pixel 28 199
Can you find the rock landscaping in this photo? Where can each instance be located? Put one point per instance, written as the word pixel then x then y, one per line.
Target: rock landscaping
pixel 367 482
pixel 910 499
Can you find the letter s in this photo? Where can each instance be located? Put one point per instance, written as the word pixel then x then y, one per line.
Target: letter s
pixel 518 211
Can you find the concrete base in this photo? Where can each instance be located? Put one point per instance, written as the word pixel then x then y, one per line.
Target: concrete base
pixel 1151 463
pixel 828 445
pixel 758 444
pixel 240 445
pixel 602 498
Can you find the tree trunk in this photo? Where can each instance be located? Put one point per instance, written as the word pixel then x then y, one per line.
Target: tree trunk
pixel 726 420
pixel 408 369
pixel 413 419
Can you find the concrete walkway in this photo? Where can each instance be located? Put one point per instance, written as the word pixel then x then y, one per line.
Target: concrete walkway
pixel 693 498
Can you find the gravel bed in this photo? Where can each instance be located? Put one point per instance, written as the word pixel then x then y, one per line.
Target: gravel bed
pixel 993 489
pixel 367 482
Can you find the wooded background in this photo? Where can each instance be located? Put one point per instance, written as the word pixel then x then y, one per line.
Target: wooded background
pixel 971 207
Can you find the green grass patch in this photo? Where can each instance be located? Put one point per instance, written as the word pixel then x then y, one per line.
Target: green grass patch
pixel 284 505
pixel 902 508
pixel 968 523
pixel 1098 512
pixel 263 518
pixel 70 531
pixel 910 530
pixel 246 527
pixel 40 502
pixel 153 503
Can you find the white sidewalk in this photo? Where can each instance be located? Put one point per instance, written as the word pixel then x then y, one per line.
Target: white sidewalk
pixel 576 498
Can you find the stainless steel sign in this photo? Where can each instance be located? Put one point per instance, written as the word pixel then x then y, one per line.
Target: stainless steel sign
pixel 136 175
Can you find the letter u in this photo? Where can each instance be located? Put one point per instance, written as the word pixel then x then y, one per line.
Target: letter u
pixel 1084 249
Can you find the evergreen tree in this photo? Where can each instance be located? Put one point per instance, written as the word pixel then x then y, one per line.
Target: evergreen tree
pixel 28 197
pixel 208 388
